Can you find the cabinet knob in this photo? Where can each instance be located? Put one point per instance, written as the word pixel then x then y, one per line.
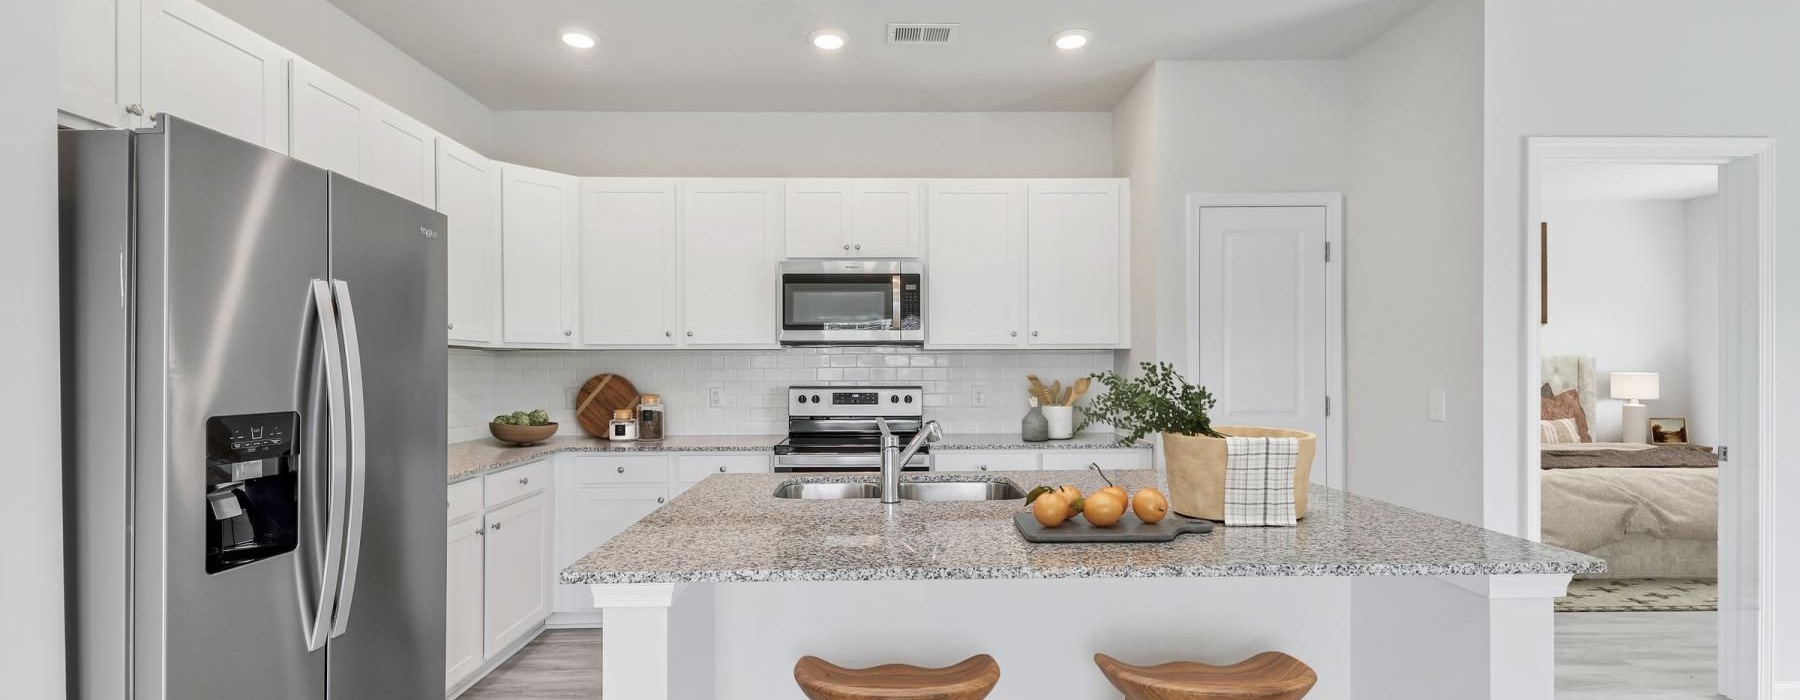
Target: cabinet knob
pixel 567 333
pixel 1034 334
pixel 524 480
pixel 135 109
pixel 846 246
pixel 480 532
pixel 859 246
pixel 451 326
pixel 982 467
pixel 621 470
pixel 1014 334
pixel 668 334
pixel 721 470
pixel 660 499
pixel 495 527
pixel 690 334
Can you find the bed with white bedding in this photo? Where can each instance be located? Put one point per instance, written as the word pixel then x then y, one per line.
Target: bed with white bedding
pixel 1651 511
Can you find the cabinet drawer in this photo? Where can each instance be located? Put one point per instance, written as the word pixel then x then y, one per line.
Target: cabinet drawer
pixel 1107 459
pixel 984 461
pixel 465 500
pixel 622 469
pixel 694 468
pixel 516 482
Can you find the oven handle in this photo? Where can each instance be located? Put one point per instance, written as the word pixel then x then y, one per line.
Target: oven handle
pixel 894 320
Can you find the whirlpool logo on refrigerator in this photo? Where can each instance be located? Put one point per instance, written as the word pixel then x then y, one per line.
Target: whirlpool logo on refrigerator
pixel 428 233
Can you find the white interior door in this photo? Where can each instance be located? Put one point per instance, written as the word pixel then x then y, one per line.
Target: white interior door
pixel 1262 322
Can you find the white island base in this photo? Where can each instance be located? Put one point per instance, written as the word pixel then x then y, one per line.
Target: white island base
pixel 1368 637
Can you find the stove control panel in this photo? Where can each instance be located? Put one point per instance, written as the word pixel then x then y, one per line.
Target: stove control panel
pixel 856 401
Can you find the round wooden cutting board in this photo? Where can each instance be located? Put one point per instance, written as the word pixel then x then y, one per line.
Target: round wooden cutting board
pixel 599 397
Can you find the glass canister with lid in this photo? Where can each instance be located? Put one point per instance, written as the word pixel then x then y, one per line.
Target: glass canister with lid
pixel 622 427
pixel 652 417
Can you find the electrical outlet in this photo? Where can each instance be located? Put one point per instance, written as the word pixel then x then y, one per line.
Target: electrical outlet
pixel 715 396
pixel 1434 408
pixel 978 396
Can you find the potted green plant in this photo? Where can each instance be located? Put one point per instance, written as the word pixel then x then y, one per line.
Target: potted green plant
pixel 1158 401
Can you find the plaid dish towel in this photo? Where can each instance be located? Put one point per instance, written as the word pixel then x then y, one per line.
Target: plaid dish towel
pixel 1259 480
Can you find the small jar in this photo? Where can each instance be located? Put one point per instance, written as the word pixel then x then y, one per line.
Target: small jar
pixel 622 428
pixel 651 417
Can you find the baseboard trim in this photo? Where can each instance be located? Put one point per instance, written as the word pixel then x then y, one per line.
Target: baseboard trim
pixel 574 620
pixel 493 663
pixel 1786 691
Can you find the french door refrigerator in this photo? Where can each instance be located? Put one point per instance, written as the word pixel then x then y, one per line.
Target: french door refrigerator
pixel 254 429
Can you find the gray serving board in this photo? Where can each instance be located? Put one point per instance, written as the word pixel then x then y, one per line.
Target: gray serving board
pixel 1128 529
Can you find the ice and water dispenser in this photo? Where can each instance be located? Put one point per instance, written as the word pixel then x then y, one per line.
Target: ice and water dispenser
pixel 252 504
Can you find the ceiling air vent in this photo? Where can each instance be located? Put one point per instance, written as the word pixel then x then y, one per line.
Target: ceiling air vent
pixel 921 34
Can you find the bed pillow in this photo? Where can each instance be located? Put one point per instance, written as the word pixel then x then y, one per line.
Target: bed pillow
pixel 1561 431
pixel 1567 405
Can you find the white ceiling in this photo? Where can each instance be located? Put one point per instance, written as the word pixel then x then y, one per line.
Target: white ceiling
pixel 1617 182
pixel 753 55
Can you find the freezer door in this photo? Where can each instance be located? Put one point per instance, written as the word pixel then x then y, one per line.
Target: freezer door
pixel 230 238
pixel 388 268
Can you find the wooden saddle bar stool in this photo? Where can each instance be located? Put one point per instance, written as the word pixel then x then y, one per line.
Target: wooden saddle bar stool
pixel 971 679
pixel 1270 675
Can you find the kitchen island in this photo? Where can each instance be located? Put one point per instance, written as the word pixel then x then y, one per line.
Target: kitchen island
pixel 719 592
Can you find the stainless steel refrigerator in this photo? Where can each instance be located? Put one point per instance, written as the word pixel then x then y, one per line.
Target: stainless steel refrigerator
pixel 254 427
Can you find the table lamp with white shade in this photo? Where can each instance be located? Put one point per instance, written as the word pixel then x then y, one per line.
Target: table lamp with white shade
pixel 1635 417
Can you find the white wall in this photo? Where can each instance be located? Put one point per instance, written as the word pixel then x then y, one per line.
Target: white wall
pixel 1413 262
pixel 810 144
pixel 1638 68
pixel 1619 292
pixel 328 37
pixel 31 562
pixel 1136 154
pixel 484 384
pixel 1701 220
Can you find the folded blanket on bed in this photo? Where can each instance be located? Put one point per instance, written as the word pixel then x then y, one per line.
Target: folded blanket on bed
pixel 1621 455
pixel 1585 509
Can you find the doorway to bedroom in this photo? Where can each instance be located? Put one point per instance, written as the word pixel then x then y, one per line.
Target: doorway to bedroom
pixel 1643 298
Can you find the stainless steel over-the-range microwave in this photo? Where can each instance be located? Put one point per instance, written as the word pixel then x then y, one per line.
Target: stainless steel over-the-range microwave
pixel 852 302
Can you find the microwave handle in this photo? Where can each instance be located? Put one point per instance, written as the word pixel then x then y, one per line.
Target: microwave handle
pixel 894 319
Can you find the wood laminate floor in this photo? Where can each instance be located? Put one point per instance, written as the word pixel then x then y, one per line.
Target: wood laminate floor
pixel 1599 656
pixel 1637 655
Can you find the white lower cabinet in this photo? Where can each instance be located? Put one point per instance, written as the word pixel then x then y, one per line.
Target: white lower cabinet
pixel 517 571
pixel 960 461
pixel 462 618
pixel 1124 458
pixel 497 567
pixel 1035 459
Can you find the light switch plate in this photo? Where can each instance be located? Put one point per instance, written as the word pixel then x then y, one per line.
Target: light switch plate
pixel 1434 409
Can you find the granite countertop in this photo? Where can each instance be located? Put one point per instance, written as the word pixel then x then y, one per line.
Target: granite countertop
pixel 730 528
pixel 472 458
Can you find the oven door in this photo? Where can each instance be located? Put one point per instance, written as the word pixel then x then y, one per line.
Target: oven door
pixel 853 302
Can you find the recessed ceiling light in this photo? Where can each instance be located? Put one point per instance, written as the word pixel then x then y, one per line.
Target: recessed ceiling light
pixel 580 38
pixel 828 39
pixel 1071 39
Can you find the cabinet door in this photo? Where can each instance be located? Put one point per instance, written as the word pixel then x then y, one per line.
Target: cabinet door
pixel 1134 458
pixel 538 259
pixel 817 219
pixel 209 70
pixel 468 193
pixel 328 120
pixel 974 271
pixel 959 461
pixel 516 571
pixel 730 249
pixel 884 217
pixel 97 60
pixel 397 155
pixel 588 517
pixel 628 267
pixel 1075 253
pixel 462 615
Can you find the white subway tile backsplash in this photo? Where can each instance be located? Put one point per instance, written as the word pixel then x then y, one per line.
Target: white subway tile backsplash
pixel 485 383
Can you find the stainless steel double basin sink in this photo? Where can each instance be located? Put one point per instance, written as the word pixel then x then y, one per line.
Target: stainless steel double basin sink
pixel 909 490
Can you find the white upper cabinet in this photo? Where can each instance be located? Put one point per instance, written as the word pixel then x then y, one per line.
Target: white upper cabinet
pixel 628 266
pixel 974 270
pixel 398 155
pixel 1075 279
pixel 840 218
pixel 730 250
pixel 97 60
pixel 206 69
pixel 468 193
pixel 539 255
pixel 329 120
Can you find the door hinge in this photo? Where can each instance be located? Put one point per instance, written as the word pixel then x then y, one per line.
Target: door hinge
pixel 1327 405
pixel 1328 251
pixel 1724 453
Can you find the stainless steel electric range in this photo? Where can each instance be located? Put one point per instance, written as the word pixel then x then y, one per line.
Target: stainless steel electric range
pixel 833 428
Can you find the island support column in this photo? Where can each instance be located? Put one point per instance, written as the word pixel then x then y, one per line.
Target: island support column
pixel 657 640
pixel 1490 637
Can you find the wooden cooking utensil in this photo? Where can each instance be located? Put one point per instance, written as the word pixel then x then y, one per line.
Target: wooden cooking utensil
pixel 1038 390
pixel 1056 393
pixel 598 398
pixel 1081 387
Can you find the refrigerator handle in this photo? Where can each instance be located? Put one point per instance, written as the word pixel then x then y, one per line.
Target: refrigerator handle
pixel 318 628
pixel 359 463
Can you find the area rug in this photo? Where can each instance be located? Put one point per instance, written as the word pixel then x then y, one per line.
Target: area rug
pixel 1640 595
